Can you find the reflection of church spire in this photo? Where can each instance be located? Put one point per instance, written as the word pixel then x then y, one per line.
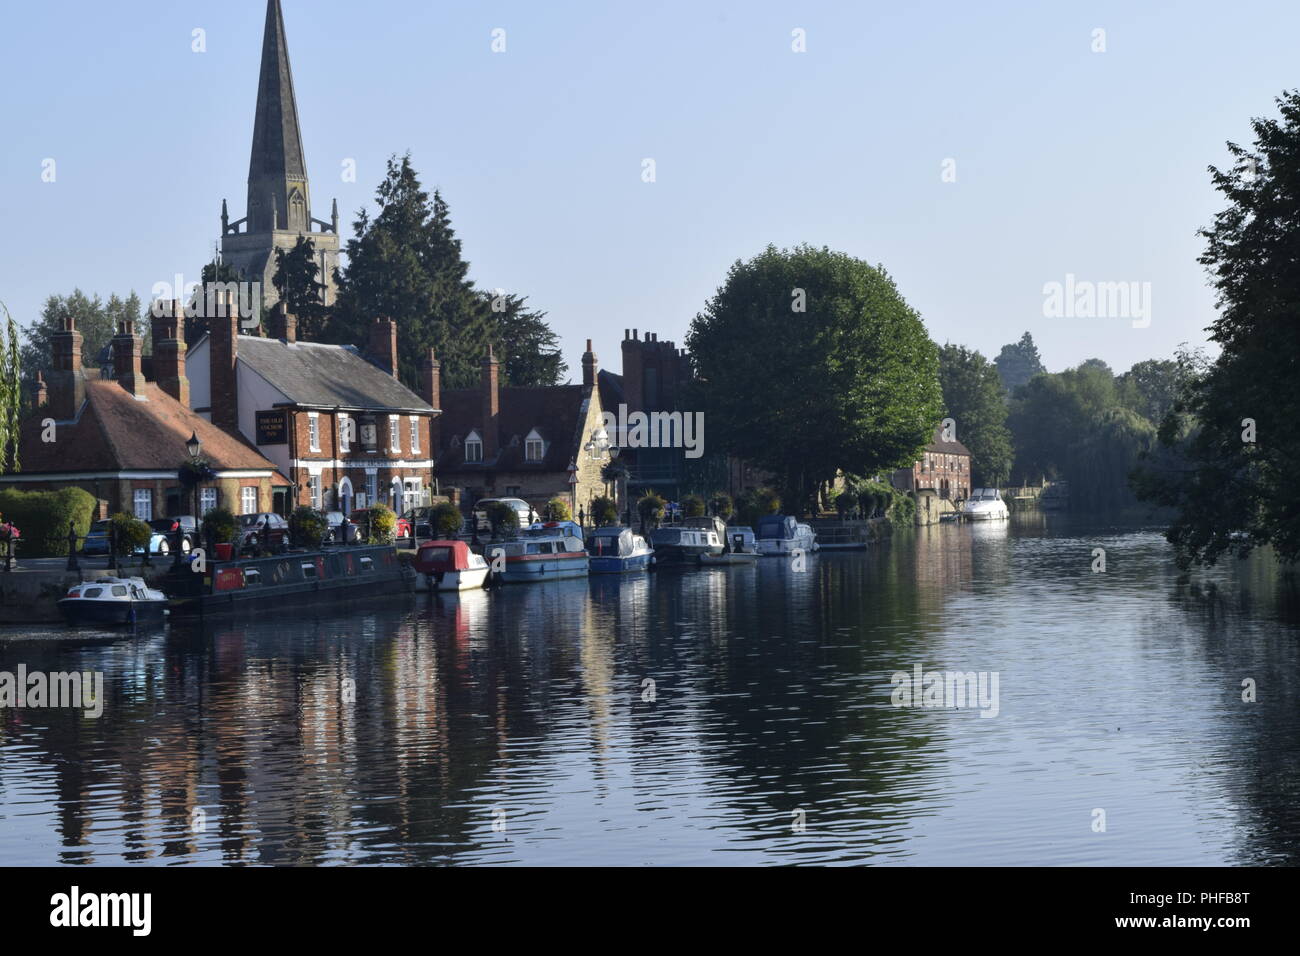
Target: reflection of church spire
pixel 277 168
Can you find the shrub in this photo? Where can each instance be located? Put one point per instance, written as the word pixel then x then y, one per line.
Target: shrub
pixel 769 502
pixel 845 502
pixel 722 505
pixel 650 508
pixel 557 509
pixel 129 533
pixel 693 506
pixel 501 516
pixel 380 522
pixel 43 516
pixel 219 527
pixel 604 511
pixel 307 527
pixel 445 520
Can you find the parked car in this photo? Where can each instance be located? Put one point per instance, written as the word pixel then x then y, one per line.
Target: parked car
pixel 401 532
pixel 340 529
pixel 96 540
pixel 522 508
pixel 189 527
pixel 264 529
pixel 420 520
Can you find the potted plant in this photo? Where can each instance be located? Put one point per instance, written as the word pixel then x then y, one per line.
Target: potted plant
pixel 307 528
pixel 9 535
pixel 445 520
pixel 220 530
pixel 603 511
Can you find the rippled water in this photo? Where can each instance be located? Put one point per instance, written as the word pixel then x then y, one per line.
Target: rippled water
pixel 515 726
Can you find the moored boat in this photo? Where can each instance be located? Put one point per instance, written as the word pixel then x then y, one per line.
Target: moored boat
pixel 985 504
pixel 113 600
pixel 783 534
pixel 448 566
pixel 738 548
pixel 616 550
pixel 687 542
pixel 543 552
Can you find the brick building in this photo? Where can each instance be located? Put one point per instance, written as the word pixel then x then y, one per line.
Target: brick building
pixel 333 418
pixel 499 441
pixel 123 438
pixel 939 479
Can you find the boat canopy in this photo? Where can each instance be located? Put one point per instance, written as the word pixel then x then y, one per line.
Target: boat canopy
pixel 714 524
pixel 778 526
pixel 611 542
pixel 569 529
pixel 435 556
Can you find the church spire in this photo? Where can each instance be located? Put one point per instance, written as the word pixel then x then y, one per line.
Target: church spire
pixel 277 170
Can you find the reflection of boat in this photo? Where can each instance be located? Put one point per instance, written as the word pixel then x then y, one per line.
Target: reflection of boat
pixel 113 601
pixel 448 566
pixel 985 504
pixel 739 548
pixel 615 550
pixel 543 552
pixel 1055 496
pixel 685 543
pixel 782 534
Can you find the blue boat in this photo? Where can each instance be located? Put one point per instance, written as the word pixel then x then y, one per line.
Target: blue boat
pixel 617 550
pixel 542 552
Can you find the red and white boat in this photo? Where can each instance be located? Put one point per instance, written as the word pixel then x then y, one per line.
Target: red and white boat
pixel 448 566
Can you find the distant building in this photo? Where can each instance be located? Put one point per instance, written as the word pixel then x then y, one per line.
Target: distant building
pixel 521 442
pixel 123 439
pixel 334 419
pixel 942 472
pixel 279 197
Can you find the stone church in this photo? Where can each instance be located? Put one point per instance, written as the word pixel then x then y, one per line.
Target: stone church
pixel 279 197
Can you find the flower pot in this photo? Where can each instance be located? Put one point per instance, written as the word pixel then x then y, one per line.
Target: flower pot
pixel 223 551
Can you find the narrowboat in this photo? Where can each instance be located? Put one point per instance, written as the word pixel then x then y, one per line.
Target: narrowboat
pixel 113 600
pixel 685 543
pixel 542 552
pixel 782 534
pixel 293 578
pixel 738 548
pixel 448 566
pixel 615 550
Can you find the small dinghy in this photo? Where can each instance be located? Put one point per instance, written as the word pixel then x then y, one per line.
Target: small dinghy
pixel 448 566
pixel 740 549
pixel 113 601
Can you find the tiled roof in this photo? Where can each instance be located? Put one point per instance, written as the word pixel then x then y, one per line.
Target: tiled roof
pixel 611 390
pixel 555 411
pixel 310 373
pixel 941 447
pixel 118 432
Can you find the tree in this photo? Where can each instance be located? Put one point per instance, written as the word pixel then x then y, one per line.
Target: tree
pixel 1018 363
pixel 813 363
pixel 1150 388
pixel 1231 446
pixel 196 319
pixel 297 282
pixel 405 262
pixel 96 320
pixel 972 394
pixel 11 394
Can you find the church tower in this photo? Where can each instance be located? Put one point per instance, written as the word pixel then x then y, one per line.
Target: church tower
pixel 279 198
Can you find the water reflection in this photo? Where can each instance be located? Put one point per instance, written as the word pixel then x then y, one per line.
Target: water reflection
pixel 401 732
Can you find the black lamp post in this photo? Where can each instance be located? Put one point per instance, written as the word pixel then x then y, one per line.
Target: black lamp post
pixel 195 448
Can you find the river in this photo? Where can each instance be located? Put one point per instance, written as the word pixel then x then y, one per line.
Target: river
pixel 726 716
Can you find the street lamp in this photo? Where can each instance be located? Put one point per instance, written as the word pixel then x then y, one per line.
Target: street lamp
pixel 573 486
pixel 195 447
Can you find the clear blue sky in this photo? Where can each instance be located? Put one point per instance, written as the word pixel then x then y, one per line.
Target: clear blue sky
pixel 1068 161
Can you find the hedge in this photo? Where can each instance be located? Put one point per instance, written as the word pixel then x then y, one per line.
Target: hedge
pixel 42 518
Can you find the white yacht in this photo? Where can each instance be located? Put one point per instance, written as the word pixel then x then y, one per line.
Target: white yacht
pixel 985 504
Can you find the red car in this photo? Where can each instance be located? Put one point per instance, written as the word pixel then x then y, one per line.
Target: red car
pixel 403 529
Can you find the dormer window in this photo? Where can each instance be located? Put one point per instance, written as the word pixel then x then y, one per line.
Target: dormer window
pixel 534 447
pixel 473 447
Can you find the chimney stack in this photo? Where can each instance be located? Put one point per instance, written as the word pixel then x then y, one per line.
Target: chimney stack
pixel 491 405
pixel 383 343
pixel 283 324
pixel 169 351
pixel 223 355
pixel 589 366
pixel 40 394
pixel 431 392
pixel 67 386
pixel 127 366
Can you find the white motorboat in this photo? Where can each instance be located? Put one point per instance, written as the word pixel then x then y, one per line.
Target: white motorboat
pixel 448 566
pixel 782 534
pixel 985 504
pixel 113 600
pixel 739 548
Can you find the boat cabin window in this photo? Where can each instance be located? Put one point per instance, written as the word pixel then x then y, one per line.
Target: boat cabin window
pixel 308 569
pixel 367 565
pixel 713 538
pixel 92 592
pixel 119 590
pixel 252 577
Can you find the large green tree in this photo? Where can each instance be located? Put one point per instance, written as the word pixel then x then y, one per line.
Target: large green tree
pixel 1232 446
pixel 405 262
pixel 973 397
pixel 1018 363
pixel 813 362
pixel 297 281
pixel 96 320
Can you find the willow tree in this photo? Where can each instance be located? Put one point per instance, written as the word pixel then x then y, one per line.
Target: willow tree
pixel 813 363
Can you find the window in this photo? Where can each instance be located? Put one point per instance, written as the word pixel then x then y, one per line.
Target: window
pixel 247 501
pixel 313 431
pixel 308 569
pixel 345 433
pixel 207 500
pixel 473 447
pixel 394 436
pixel 252 577
pixel 144 504
pixel 372 488
pixel 415 434
pixel 313 488
pixel 367 565
pixel 534 447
